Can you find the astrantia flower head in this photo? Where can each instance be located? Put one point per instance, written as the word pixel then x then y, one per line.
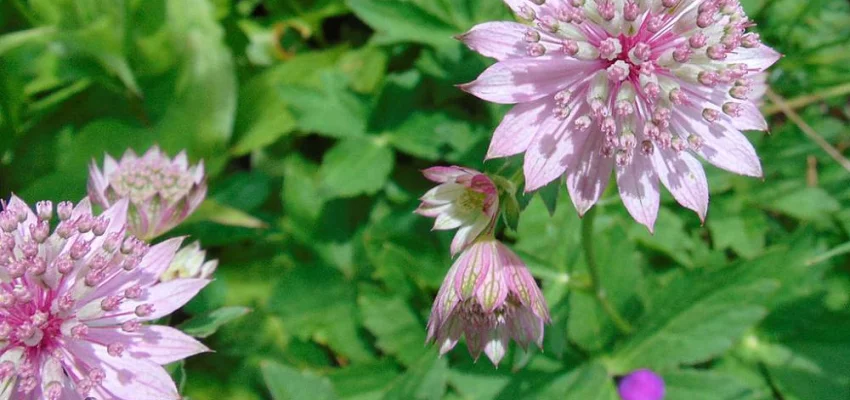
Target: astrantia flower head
pixel 489 297
pixel 465 199
pixel 162 192
pixel 641 385
pixel 190 262
pixel 637 86
pixel 74 303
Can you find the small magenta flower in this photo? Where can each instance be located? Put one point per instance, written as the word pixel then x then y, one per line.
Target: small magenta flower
pixel 75 302
pixel 489 297
pixel 464 199
pixel 190 262
pixel 642 384
pixel 162 192
pixel 635 86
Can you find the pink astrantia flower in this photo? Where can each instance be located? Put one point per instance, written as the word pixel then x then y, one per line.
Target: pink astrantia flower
pixel 464 199
pixel 489 297
pixel 162 192
pixel 637 86
pixel 74 303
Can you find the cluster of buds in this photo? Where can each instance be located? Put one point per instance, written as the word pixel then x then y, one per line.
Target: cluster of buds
pixel 488 295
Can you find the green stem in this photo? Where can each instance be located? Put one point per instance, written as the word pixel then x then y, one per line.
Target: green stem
pixel 593 267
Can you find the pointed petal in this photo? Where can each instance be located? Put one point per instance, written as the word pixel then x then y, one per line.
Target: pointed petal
pixel 446 174
pixel 126 377
pixel 157 343
pixel 638 186
pixel 555 145
pixel 518 127
pixel 751 118
pixel 682 174
pixel 588 175
pixel 499 40
pixel 97 185
pixel 165 298
pixel 519 80
pixel 467 234
pixel 723 145
pixel 758 58
pixel 497 344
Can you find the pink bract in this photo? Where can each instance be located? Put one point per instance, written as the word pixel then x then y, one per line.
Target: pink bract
pixel 489 297
pixel 75 302
pixel 638 87
pixel 162 192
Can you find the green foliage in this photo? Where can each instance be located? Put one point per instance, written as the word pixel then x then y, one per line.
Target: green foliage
pixel 314 119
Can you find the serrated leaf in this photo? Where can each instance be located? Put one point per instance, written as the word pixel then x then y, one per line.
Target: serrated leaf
pixel 400 21
pixel 331 110
pixel 315 302
pixel 364 382
pixel 706 385
pixel 396 328
pixel 587 382
pixel 424 380
pixel 696 317
pixel 207 324
pixel 287 383
pixel 354 167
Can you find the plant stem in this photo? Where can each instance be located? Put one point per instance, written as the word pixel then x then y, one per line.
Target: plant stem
pixel 596 283
pixel 808 130
pixel 805 100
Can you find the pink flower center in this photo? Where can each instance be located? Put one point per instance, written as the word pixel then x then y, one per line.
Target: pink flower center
pixel 645 63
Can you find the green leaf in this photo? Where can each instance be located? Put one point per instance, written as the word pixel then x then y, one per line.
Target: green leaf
pixel 287 383
pixel 365 68
pixel 620 276
pixel 364 381
pixel 11 41
pixel 331 110
pixel 401 21
pixel 587 382
pixel 205 325
pixel 395 326
pixel 424 380
pixel 706 385
pixel 745 233
pixel 808 204
pixel 356 166
pixel 269 125
pixel 805 350
pixel 213 211
pixel 203 102
pixel 316 302
pixel 696 317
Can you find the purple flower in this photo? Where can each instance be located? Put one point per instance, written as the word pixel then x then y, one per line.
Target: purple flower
pixel 642 384
pixel 464 199
pixel 190 262
pixel 74 303
pixel 638 87
pixel 162 192
pixel 489 297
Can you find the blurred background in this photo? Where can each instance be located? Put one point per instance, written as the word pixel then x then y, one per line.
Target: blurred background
pixel 314 118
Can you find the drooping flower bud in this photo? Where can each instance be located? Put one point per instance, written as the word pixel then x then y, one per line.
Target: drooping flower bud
pixel 489 297
pixel 464 199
